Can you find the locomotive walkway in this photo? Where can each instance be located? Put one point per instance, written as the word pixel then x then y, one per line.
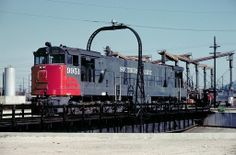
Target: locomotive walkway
pixel 113 117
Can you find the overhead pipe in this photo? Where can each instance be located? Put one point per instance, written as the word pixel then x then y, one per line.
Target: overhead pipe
pixel 140 75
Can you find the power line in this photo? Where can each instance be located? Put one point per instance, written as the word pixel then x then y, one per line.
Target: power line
pixel 137 9
pixel 184 29
pixel 107 22
pixel 53 17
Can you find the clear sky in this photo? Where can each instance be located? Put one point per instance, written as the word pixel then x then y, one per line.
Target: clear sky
pixel 179 26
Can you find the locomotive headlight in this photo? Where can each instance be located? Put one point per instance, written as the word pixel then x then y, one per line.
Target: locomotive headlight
pixel 42 67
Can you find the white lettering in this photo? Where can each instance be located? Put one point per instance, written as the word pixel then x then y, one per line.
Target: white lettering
pixel 68 70
pixel 134 70
pixel 73 71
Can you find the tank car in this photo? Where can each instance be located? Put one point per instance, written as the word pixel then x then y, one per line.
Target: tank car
pixel 64 75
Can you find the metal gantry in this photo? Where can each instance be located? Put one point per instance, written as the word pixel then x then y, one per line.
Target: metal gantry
pixel 215 56
pixel 205 67
pixel 166 56
pixel 219 55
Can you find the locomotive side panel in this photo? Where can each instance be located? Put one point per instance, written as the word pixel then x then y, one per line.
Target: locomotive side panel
pixel 119 79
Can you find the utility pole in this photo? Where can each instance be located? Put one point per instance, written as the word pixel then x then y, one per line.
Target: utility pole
pixel 231 70
pixel 215 46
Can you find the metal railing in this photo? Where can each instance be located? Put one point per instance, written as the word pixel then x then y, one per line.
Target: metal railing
pixel 13 115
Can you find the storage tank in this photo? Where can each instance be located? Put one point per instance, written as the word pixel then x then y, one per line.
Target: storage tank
pixel 9 81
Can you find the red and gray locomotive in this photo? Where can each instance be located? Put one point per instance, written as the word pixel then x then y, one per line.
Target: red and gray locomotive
pixel 64 75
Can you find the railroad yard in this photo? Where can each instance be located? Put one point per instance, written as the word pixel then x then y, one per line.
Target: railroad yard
pixel 168 88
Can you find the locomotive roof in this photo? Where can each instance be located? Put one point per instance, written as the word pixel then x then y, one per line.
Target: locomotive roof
pixel 74 51
pixel 78 51
pixel 64 49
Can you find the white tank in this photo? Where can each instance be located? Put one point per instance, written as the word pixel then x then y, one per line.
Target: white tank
pixel 9 81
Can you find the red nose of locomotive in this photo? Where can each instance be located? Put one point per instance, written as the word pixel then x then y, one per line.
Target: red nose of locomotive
pixel 50 74
pixel 39 80
pixel 53 80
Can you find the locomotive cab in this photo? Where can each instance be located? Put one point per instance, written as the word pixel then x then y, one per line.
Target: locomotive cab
pixel 55 72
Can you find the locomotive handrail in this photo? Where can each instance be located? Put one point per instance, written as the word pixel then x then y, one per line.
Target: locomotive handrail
pixel 140 78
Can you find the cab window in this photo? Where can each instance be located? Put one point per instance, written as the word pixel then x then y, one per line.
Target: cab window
pixel 57 58
pixel 40 60
pixel 69 59
pixel 73 59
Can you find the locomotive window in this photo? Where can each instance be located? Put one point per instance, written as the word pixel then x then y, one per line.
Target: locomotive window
pixel 87 69
pixel 69 59
pixel 75 60
pixel 40 60
pixel 57 58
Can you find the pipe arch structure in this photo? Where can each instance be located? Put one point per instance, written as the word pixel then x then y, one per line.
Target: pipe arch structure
pixel 139 93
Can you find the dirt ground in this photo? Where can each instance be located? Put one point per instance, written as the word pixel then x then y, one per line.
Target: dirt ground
pixel 108 143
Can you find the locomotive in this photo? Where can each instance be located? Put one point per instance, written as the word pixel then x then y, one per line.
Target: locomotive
pixel 65 75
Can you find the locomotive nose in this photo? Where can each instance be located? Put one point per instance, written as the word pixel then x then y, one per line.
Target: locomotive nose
pixel 42 74
pixel 40 79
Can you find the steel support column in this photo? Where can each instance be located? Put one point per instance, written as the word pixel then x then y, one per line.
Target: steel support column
pixel 197 77
pixel 187 74
pixel 204 74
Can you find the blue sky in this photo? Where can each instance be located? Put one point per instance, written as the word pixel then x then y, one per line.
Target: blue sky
pixel 179 26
